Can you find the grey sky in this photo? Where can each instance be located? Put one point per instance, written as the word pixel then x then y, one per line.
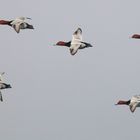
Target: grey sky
pixel 56 96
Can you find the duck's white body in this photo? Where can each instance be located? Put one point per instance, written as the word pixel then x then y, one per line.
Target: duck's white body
pixel 134 102
pixel 19 23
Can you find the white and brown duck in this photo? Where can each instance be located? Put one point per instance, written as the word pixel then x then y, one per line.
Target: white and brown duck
pixel 76 42
pixel 17 24
pixel 133 103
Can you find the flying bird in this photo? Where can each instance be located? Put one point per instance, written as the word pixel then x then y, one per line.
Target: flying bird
pixel 76 42
pixel 136 36
pixel 18 23
pixel 132 103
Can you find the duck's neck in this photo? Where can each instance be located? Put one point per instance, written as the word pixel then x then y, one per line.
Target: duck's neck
pixel 68 44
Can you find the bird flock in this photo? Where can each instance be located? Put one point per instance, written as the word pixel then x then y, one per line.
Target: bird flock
pixel 74 45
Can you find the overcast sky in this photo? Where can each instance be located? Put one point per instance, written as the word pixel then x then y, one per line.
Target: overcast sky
pixel 56 96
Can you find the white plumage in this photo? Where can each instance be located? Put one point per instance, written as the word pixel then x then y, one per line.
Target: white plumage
pixel 134 102
pixel 19 23
pixel 1 76
pixel 76 41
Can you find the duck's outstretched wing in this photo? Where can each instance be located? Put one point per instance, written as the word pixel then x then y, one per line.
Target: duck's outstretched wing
pixel 74 49
pixel 22 18
pixel 77 35
pixel 76 41
pixel 17 27
pixel 133 107
pixel 1 78
pixel 135 98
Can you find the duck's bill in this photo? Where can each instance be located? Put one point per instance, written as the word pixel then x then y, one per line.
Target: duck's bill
pixel 54 45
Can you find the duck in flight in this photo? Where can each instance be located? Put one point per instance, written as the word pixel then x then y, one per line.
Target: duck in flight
pixel 76 43
pixel 17 24
pixel 132 103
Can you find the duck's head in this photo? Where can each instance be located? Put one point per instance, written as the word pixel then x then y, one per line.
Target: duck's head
pixel 121 102
pixel 136 36
pixel 62 43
